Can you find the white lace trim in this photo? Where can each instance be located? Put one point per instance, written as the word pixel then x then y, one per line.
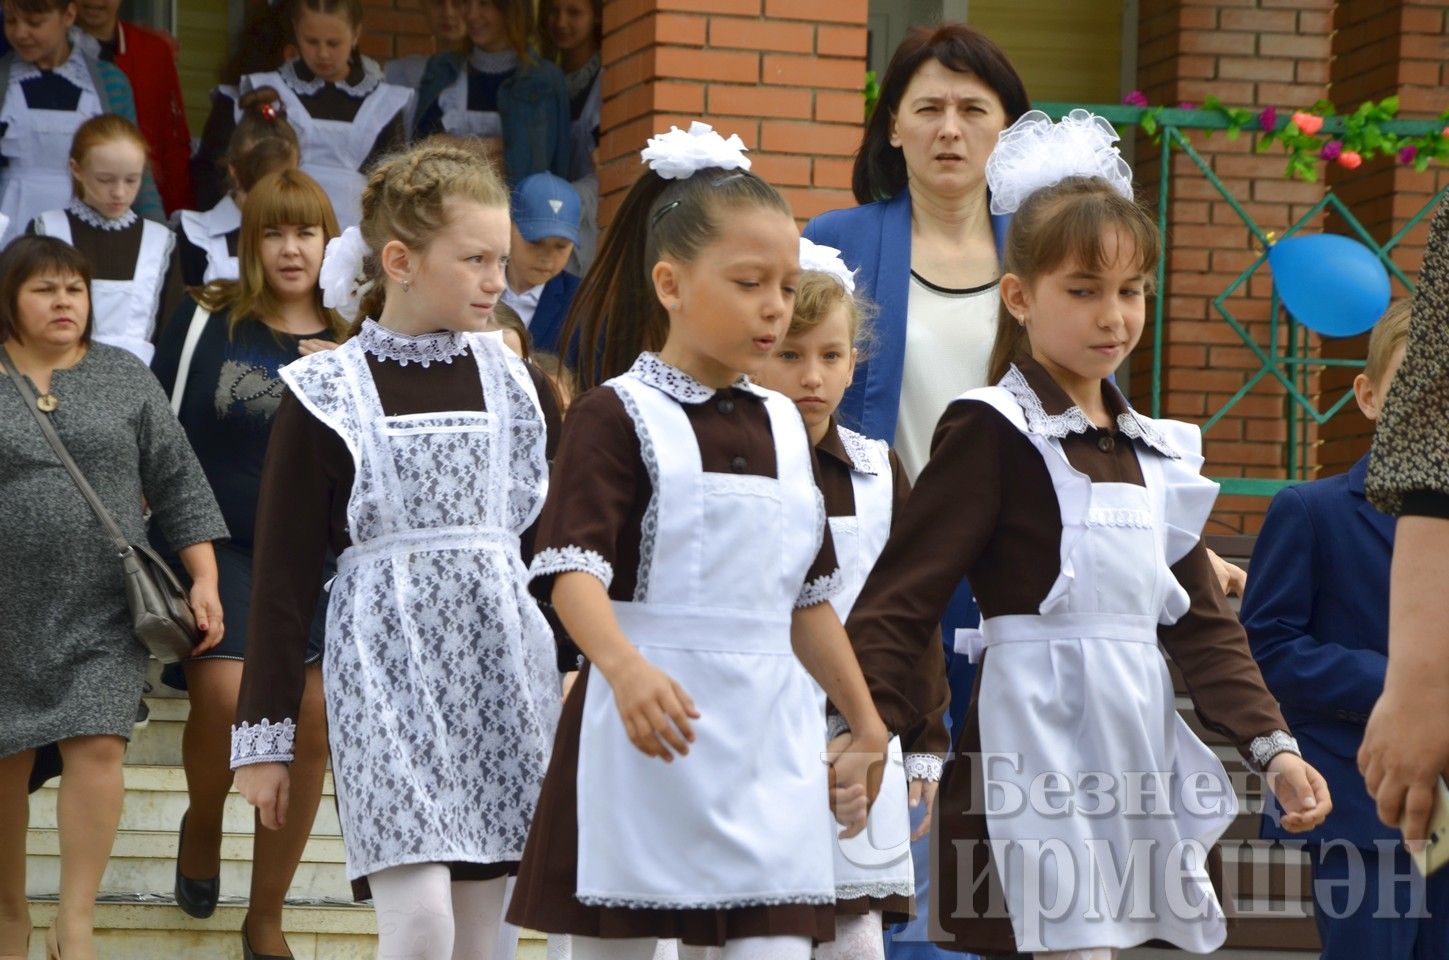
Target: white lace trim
pixel 1268 746
pixel 924 766
pixel 649 525
pixel 263 742
pixel 1119 517
pixel 92 217
pixel 444 346
pixel 820 589
pixel 500 61
pixel 571 558
pixel 307 88
pixel 74 69
pixel 706 903
pixel 875 889
pixel 857 447
pixel 1075 420
pixel 678 384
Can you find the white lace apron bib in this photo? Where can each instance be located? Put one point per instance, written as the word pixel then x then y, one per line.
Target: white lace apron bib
pixel 744 819
pixel 35 144
pixel 1077 714
pixel 124 311
pixel 333 151
pixel 440 675
pixel 877 861
pixel 208 230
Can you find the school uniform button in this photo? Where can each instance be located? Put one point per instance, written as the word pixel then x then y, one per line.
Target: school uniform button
pixel 1104 443
pixel 738 464
pixel 726 405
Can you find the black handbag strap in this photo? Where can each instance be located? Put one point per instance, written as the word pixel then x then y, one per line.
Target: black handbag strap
pixel 113 529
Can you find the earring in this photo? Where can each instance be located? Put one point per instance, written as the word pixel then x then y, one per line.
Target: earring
pixel 407 285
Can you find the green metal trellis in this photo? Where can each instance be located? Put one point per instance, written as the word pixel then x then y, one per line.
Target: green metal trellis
pixel 1291 367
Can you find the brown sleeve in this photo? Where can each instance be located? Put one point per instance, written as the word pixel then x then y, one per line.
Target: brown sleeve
pixel 173 289
pixel 1210 648
pixel 552 425
pixel 946 524
pixel 825 565
pixel 294 508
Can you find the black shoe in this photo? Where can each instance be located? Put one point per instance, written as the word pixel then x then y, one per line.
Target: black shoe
pixel 196 897
pixel 249 954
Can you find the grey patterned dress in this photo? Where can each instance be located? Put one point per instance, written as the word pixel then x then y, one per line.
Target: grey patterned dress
pixel 69 665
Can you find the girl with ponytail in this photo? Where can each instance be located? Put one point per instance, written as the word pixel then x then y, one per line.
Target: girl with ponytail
pixel 684 548
pixel 418 453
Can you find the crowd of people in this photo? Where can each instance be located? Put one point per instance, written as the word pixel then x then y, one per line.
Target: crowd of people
pixel 705 588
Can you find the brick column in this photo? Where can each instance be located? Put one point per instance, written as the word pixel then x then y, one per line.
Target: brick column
pixel 783 74
pixel 1246 53
pixel 394 28
pixel 1382 48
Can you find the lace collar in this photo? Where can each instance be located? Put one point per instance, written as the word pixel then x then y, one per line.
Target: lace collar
pixel 857 449
pixel 680 385
pixel 1075 420
pixel 73 69
pixel 442 347
pixel 500 61
pixel 582 78
pixel 304 83
pixel 91 217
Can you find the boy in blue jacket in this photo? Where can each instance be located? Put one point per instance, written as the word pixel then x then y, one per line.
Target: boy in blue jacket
pixel 546 212
pixel 1316 611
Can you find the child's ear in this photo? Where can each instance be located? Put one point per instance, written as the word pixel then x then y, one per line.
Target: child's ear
pixel 850 372
pixel 1366 392
pixel 396 261
pixel 1014 295
pixel 666 284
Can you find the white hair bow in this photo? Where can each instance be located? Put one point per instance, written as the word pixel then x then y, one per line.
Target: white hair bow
pixel 1034 153
pixel 818 258
pixel 342 278
pixel 679 154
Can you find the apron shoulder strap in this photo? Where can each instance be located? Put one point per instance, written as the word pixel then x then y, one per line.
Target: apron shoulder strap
pixel 54 223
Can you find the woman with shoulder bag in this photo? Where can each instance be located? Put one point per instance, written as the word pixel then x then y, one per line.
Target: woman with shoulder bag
pixel 71 667
pixel 219 359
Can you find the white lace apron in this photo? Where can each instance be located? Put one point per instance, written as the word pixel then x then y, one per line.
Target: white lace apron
pixel 35 145
pixel 877 861
pixel 440 676
pixel 744 819
pixel 333 151
pixel 208 229
pixel 1077 714
pixel 124 311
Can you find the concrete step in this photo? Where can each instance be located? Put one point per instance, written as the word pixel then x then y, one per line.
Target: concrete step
pixel 143 862
pixel 159 742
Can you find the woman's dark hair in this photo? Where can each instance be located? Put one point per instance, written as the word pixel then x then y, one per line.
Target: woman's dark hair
pixel 262 45
pixel 616 314
pixel 33 7
pixel 28 257
pixel 880 169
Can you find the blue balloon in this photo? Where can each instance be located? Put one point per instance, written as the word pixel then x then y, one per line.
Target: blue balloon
pixel 1332 285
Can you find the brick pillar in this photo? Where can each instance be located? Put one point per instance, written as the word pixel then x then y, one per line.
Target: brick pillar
pixel 1246 53
pixel 783 74
pixel 394 28
pixel 1382 48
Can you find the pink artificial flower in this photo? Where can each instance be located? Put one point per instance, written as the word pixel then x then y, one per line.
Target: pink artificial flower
pixel 1408 155
pixel 1331 150
pixel 1268 119
pixel 1308 123
pixel 1350 159
pixel 1135 99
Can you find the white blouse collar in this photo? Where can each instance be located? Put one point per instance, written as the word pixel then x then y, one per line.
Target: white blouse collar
pixel 680 385
pixel 306 88
pixel 74 69
pixel 91 217
pixel 442 347
pixel 1075 420
pixel 500 61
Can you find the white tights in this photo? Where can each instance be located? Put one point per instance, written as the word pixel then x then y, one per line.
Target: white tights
pixel 857 937
pixel 648 948
pixel 1093 953
pixel 423 915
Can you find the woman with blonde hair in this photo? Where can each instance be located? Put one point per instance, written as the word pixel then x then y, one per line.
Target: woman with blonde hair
pixel 220 360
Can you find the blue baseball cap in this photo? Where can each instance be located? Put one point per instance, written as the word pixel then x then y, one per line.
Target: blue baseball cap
pixel 546 206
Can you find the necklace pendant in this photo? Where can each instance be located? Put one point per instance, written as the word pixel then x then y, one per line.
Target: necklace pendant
pixel 47 402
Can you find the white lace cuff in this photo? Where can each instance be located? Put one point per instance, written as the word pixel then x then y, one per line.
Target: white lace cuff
pixel 264 742
pixel 820 589
pixel 924 766
pixel 835 725
pixel 564 559
pixel 1266 747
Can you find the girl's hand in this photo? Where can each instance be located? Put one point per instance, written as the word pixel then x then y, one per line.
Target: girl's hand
pixel 655 709
pixel 266 786
pixel 313 345
pixel 857 762
pixel 923 790
pixel 1301 792
pixel 206 606
pixel 1233 579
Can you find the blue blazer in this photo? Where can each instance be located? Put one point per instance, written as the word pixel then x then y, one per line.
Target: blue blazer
pixel 875 239
pixel 553 306
pixel 1317 615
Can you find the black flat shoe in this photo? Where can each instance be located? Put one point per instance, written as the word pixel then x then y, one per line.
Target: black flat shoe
pixel 196 897
pixel 249 954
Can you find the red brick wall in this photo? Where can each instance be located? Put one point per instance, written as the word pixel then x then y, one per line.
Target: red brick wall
pixel 1245 52
pixel 394 28
pixel 783 74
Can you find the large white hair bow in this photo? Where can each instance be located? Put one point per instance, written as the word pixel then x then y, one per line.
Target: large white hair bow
pixel 818 258
pixel 1034 153
pixel 679 154
pixel 342 278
